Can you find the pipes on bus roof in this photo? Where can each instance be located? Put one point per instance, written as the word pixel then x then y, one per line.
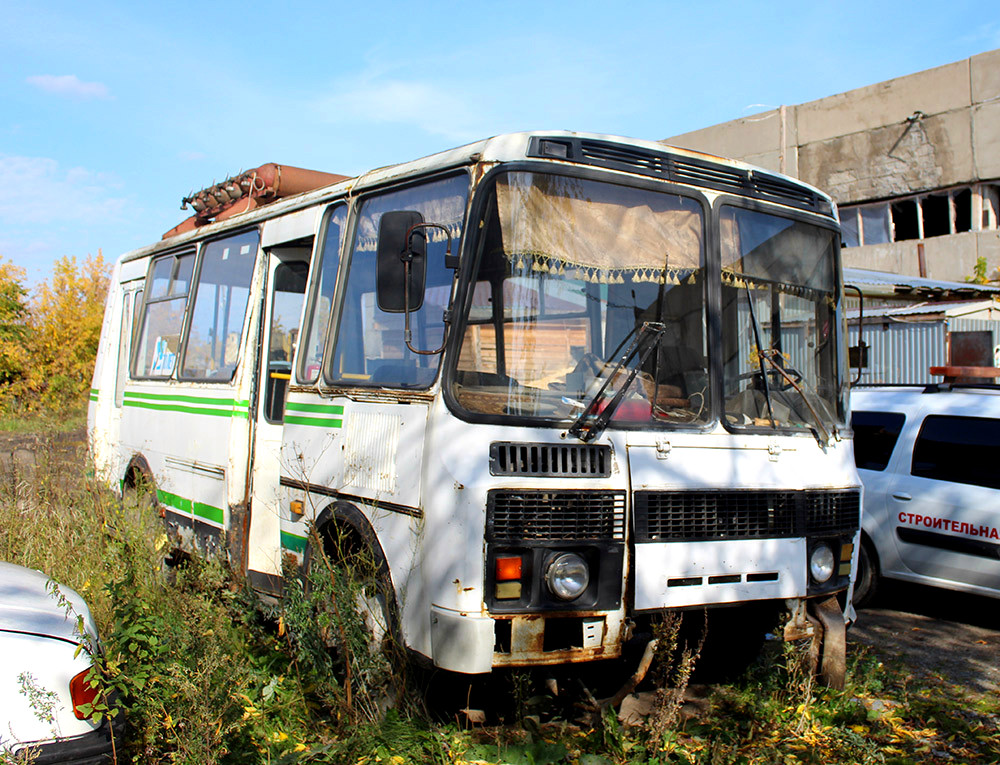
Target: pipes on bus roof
pixel 247 191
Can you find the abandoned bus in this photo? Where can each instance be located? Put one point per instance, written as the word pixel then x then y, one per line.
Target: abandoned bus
pixel 554 383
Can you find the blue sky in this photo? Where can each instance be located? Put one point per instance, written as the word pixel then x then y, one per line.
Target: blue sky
pixel 111 112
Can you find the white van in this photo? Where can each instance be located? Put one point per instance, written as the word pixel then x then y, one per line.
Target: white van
pixel 928 458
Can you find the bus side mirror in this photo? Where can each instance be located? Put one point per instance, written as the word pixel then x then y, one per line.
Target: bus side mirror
pixel 401 241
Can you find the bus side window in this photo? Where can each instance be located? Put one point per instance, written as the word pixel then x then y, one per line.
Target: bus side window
pixel 124 336
pixel 316 323
pixel 370 348
pixel 286 304
pixel 158 340
pixel 219 309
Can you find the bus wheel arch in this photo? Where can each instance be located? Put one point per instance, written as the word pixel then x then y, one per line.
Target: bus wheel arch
pixel 348 539
pixel 139 484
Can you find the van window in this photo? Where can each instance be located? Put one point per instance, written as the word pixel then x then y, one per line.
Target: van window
pixel 875 436
pixel 220 306
pixel 958 449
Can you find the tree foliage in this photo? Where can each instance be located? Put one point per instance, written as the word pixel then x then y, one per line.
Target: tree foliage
pixel 48 343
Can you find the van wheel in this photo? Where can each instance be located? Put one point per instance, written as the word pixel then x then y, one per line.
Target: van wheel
pixel 866 582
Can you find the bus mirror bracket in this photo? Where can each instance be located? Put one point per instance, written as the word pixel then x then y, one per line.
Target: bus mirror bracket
pixel 401 268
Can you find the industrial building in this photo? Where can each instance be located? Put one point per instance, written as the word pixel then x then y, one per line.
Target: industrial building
pixel 914 165
pixel 913 162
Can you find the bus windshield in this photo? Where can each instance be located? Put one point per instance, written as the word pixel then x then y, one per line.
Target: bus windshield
pixel 779 323
pixel 568 270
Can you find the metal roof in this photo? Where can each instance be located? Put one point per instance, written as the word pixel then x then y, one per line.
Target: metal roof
pixel 899 284
pixel 940 309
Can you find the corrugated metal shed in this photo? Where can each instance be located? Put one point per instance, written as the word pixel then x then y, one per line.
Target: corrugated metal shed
pixel 902 352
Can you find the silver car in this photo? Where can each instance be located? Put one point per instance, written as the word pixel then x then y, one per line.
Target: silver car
pixel 43 670
pixel 929 458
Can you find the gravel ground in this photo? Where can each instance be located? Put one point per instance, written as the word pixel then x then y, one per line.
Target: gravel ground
pixel 936 633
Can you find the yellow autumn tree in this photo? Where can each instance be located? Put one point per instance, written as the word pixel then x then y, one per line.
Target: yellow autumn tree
pixel 14 329
pixel 65 328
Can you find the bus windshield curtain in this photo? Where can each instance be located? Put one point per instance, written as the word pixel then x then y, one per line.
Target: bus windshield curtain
pixel 597 232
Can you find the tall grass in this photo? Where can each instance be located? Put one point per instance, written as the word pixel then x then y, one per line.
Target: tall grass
pixel 208 675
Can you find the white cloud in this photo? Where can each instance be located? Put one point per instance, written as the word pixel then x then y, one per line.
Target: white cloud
pixel 432 108
pixel 191 156
pixel 37 191
pixel 69 85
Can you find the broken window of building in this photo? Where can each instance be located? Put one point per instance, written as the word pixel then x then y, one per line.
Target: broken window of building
pixel 939 213
pixel 962 199
pixel 990 193
pixel 936 212
pixel 875 224
pixel 849 227
pixel 905 220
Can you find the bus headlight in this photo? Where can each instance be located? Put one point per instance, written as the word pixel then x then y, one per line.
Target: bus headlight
pixel 821 563
pixel 567 576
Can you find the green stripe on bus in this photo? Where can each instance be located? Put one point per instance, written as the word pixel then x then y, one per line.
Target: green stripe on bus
pixel 186 399
pixel 323 408
pixel 208 511
pixel 293 542
pixel 183 409
pixel 179 503
pixel 317 422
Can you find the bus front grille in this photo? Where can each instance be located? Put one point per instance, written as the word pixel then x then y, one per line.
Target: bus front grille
pixel 675 516
pixel 550 460
pixel 514 516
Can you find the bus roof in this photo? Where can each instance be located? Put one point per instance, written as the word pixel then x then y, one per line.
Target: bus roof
pixel 612 152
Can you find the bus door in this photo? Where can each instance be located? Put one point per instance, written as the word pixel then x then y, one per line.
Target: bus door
pixel 288 269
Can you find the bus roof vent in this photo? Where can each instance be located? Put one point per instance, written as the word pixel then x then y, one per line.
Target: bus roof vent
pixel 554 460
pixel 679 168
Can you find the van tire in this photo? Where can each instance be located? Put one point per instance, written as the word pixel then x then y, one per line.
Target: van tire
pixel 866 582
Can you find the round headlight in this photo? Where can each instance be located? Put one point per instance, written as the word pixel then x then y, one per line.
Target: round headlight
pixel 821 563
pixel 567 576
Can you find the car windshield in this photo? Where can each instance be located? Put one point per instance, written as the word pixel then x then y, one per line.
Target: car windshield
pixel 569 270
pixel 779 323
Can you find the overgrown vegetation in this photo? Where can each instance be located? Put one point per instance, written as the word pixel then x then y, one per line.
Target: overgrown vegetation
pixel 209 675
pixel 48 340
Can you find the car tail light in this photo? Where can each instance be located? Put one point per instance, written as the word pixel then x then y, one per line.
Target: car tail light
pixel 82 693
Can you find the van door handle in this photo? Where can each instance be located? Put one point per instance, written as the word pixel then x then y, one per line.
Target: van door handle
pixel 902 497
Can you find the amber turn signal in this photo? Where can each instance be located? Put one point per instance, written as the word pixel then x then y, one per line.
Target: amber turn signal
pixel 508 569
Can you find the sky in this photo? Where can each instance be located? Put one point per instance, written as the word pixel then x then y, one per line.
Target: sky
pixel 111 112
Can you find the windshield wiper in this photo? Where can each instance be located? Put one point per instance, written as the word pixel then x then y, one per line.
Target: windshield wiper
pixel 588 431
pixel 760 353
pixel 783 371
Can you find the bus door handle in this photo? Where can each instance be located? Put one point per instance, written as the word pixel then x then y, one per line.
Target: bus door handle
pixel 902 497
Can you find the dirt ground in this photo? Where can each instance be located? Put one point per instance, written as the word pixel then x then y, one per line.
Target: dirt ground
pixel 936 633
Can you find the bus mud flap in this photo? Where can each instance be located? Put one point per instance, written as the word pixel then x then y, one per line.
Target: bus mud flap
pixel 833 662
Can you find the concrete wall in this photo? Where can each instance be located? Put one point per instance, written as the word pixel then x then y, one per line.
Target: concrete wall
pixel 936 128
pixel 950 258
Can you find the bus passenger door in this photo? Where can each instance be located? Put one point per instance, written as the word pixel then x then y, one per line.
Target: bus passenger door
pixel 287 271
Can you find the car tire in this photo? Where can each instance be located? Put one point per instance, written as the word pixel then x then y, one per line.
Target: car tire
pixel 866 582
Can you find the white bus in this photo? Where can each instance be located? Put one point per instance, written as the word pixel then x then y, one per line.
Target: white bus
pixel 554 383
